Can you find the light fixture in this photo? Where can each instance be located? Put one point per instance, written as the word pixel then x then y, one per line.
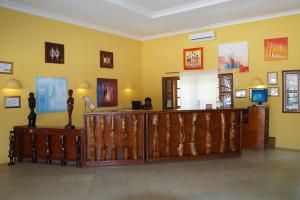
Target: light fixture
pixel 12 84
pixel 129 86
pixel 256 82
pixel 84 85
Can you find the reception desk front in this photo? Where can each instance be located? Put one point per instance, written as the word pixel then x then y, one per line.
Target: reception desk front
pixel 130 137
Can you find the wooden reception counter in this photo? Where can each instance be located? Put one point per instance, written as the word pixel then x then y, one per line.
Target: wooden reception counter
pixel 124 137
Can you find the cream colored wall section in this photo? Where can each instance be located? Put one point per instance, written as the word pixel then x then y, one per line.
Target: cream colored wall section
pixel 166 55
pixel 22 40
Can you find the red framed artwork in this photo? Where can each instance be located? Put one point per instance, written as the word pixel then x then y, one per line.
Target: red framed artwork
pixel 193 58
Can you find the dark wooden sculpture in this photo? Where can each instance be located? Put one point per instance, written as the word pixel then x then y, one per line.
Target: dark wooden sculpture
pixel 32 114
pixel 12 148
pixel 70 106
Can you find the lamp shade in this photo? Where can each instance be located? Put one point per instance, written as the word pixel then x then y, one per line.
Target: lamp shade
pixel 12 84
pixel 84 85
pixel 129 86
pixel 256 82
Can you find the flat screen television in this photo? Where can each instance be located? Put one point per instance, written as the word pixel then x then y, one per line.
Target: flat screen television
pixel 259 96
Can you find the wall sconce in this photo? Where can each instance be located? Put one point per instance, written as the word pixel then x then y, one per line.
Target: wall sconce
pixel 257 82
pixel 129 86
pixel 12 84
pixel 84 85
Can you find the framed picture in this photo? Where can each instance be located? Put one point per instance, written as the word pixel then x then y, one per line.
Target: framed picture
pixel 241 93
pixel 54 53
pixel 276 49
pixel 272 78
pixel 193 58
pixel 250 92
pixel 107 92
pixel 273 91
pixel 106 59
pixel 6 67
pixel 12 102
pixel 89 103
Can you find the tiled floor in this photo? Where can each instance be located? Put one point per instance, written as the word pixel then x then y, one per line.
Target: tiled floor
pixel 273 174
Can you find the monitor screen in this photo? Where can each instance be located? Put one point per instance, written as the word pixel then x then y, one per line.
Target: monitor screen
pixel 259 95
pixel 136 105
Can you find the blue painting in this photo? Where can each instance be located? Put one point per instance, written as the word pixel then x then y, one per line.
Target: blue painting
pixel 51 94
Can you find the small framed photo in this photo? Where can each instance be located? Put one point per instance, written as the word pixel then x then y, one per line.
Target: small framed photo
pixel 273 91
pixel 106 59
pixel 54 53
pixel 250 93
pixel 241 93
pixel 12 102
pixel 6 67
pixel 272 78
pixel 89 103
pixel 193 58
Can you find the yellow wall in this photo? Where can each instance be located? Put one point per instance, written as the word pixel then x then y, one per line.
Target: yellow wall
pixel 22 40
pixel 166 55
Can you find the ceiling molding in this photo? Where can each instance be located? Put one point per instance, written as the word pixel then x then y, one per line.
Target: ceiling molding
pixel 130 6
pixel 69 20
pixel 223 24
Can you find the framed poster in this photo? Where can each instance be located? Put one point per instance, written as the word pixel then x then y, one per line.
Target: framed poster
pixel 273 91
pixel 276 49
pixel 107 92
pixel 54 53
pixel 272 78
pixel 12 102
pixel 106 59
pixel 193 58
pixel 241 93
pixel 6 67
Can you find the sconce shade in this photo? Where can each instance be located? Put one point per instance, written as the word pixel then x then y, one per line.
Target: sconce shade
pixel 256 82
pixel 12 84
pixel 84 85
pixel 129 86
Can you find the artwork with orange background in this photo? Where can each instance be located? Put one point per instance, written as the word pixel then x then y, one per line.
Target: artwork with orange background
pixel 276 49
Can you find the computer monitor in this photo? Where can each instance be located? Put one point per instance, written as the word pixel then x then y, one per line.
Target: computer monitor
pixel 136 105
pixel 259 95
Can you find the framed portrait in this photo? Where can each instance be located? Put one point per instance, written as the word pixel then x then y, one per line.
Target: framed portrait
pixel 88 102
pixel 193 58
pixel 6 67
pixel 106 59
pixel 272 78
pixel 54 53
pixel 12 102
pixel 107 92
pixel 241 93
pixel 273 91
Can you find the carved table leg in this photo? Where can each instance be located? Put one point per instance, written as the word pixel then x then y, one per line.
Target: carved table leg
pixel 11 152
pixel 33 146
pixel 48 149
pixel 62 151
pixel 78 151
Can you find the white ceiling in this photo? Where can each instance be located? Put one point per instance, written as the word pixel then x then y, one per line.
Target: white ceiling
pixel 146 19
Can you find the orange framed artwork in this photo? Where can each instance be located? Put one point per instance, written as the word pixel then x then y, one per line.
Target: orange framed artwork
pixel 193 58
pixel 276 49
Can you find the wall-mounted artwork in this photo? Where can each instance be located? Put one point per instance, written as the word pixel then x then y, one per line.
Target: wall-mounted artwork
pixel 51 94
pixel 193 58
pixel 107 92
pixel 276 49
pixel 233 57
pixel 106 59
pixel 12 102
pixel 6 67
pixel 54 53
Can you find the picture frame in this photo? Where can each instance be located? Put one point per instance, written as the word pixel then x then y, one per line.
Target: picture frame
pixel 12 102
pixel 88 102
pixel 106 59
pixel 6 67
pixel 250 93
pixel 107 92
pixel 272 78
pixel 193 58
pixel 54 53
pixel 273 91
pixel 240 93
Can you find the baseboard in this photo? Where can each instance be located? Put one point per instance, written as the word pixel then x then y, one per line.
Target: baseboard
pixel 288 149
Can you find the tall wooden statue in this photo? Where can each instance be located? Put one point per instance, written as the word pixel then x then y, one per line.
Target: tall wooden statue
pixel 208 134
pixel 70 106
pixel 156 153
pixel 181 136
pixel 193 147
pixel 223 129
pixel 32 115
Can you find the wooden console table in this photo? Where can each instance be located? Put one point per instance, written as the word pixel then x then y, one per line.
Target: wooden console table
pixel 48 144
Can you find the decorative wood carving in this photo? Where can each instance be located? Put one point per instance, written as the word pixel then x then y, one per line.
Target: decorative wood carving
pixel 62 151
pixel 223 129
pixel 181 136
pixel 168 135
pixel 134 151
pixel 48 149
pixel 193 147
pixel 33 146
pixel 232 131
pixel 113 142
pixel 11 152
pixel 208 134
pixel 156 153
pixel 102 140
pixel 92 146
pixel 78 151
pixel 124 137
pixel 20 143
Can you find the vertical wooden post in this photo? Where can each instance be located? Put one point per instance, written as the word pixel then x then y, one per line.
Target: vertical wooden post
pixel 78 151
pixel 124 137
pixel 168 135
pixel 193 147
pixel 113 142
pixel 232 131
pixel 92 146
pixel 223 129
pixel 135 153
pixel 33 146
pixel 62 150
pixel 20 153
pixel 208 134
pixel 48 149
pixel 181 136
pixel 102 139
pixel 156 153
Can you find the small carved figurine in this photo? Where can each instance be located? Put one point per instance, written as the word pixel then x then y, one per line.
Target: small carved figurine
pixel 32 115
pixel 70 103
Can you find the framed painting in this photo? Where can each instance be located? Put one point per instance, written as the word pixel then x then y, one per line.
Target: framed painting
pixel 107 92
pixel 240 93
pixel 193 58
pixel 51 94
pixel 12 102
pixel 233 57
pixel 54 53
pixel 6 67
pixel 106 59
pixel 276 49
pixel 272 78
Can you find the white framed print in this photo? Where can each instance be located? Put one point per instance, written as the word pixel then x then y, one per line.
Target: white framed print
pixel 12 102
pixel 273 91
pixel 272 78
